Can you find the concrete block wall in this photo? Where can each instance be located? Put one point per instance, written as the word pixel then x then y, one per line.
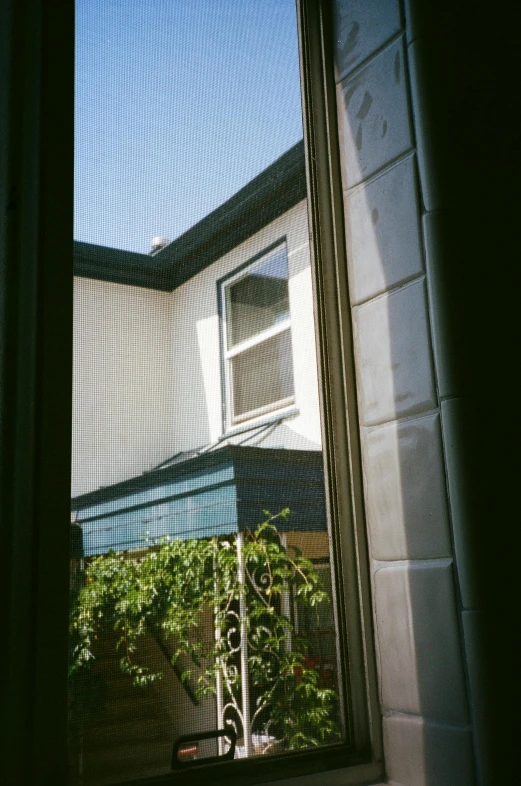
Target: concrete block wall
pixel 413 407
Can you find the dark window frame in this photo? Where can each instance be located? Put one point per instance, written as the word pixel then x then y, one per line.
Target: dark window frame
pixel 36 177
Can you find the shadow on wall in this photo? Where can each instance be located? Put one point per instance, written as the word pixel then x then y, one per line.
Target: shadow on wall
pixel 196 400
pixel 401 311
pixel 124 384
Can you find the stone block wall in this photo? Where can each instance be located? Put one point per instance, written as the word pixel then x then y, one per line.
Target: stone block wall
pixel 412 396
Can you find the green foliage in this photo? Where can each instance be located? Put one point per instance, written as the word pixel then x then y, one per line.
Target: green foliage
pixel 167 590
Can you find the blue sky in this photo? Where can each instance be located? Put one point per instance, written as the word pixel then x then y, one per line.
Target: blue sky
pixel 179 103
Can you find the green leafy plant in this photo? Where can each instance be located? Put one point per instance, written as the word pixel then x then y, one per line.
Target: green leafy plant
pixel 168 591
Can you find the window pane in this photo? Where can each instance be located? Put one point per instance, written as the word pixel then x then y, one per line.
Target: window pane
pixel 190 539
pixel 316 624
pixel 262 375
pixel 259 300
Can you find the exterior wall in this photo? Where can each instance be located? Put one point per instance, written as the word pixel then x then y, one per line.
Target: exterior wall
pixel 196 354
pixel 122 387
pixel 147 364
pixel 412 407
pixel 313 545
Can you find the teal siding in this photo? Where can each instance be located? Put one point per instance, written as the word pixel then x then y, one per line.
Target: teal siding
pixel 184 484
pixel 214 494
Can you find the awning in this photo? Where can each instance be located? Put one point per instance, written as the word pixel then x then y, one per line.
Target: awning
pixel 217 493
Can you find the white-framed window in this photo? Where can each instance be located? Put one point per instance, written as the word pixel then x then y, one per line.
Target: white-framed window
pixel 257 348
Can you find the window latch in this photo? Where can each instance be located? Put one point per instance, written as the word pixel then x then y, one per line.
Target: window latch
pixel 186 753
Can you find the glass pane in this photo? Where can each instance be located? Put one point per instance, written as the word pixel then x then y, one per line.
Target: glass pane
pixel 316 624
pixel 200 556
pixel 259 300
pixel 262 375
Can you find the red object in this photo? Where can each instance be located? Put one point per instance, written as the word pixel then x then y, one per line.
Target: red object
pixel 324 668
pixel 188 753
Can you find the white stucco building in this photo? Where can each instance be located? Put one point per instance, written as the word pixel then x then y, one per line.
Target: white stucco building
pixel 157 371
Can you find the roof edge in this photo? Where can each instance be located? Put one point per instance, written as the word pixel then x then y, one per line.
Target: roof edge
pixel 270 194
pixel 157 477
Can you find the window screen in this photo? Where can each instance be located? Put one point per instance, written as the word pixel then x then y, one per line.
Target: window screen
pixel 258 300
pixel 262 375
pixel 202 591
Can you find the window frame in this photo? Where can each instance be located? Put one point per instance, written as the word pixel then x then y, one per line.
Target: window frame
pixel 36 227
pixel 277 409
pixel 35 422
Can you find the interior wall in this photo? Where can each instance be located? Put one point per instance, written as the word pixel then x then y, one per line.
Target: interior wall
pixel 414 408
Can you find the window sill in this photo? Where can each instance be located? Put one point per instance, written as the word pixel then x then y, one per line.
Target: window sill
pixel 263 420
pixel 359 775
